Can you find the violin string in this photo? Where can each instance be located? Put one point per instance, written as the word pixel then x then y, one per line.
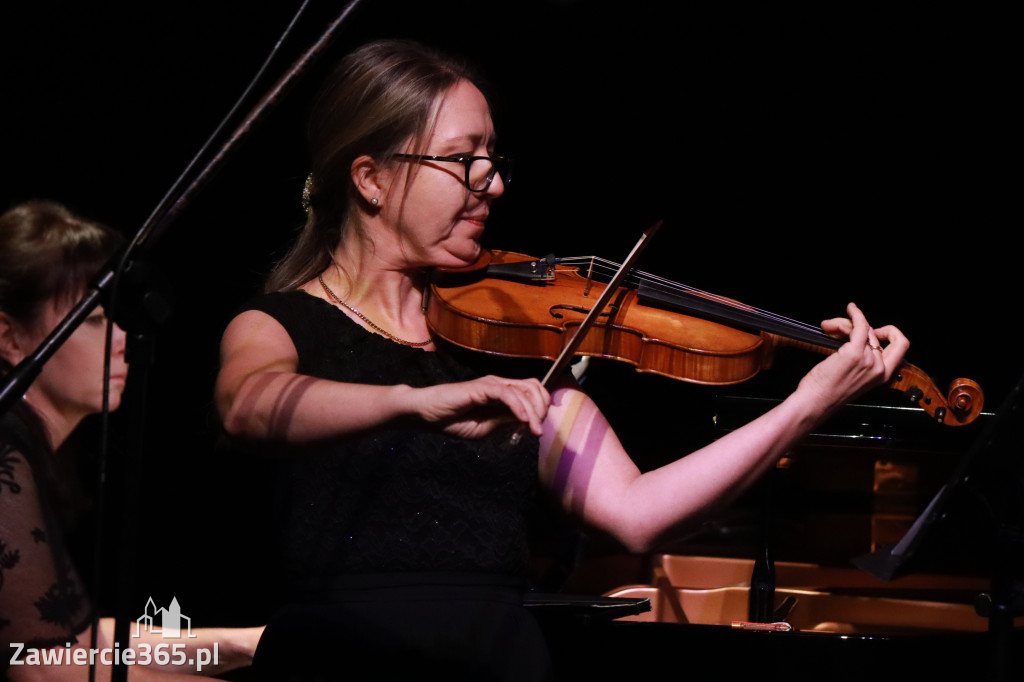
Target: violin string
pixel 606 268
pixel 669 286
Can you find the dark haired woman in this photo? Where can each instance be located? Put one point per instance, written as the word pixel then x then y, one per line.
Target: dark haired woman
pixel 47 258
pixel 402 511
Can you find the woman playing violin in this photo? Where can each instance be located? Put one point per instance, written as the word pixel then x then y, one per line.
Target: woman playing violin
pixel 402 504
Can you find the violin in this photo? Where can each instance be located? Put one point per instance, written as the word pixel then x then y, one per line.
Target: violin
pixel 516 305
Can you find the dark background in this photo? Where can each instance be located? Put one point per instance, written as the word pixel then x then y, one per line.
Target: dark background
pixel 802 155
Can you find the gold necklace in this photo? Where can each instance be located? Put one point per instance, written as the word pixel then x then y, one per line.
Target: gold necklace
pixel 364 318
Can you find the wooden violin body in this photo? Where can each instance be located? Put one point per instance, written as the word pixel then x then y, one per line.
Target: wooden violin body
pixel 528 307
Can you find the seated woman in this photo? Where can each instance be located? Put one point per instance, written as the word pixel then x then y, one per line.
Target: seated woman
pixel 47 258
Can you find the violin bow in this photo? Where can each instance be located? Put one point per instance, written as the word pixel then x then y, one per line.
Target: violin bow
pixel 569 349
pixel 565 357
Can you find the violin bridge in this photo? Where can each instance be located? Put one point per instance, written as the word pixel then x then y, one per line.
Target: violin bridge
pixel 590 279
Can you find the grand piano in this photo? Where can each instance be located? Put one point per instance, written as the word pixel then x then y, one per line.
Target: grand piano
pixel 882 548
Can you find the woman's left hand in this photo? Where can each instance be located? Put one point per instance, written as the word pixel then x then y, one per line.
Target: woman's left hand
pixel 867 360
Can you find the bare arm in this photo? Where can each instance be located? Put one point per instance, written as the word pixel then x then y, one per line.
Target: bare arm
pixel 260 395
pixel 584 463
pixel 234 648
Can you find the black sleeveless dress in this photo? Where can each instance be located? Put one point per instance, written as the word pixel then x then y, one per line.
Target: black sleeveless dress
pixel 406 547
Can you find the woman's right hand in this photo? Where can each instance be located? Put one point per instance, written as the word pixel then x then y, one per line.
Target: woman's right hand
pixel 473 409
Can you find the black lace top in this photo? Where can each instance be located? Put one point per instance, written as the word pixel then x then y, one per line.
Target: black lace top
pixel 42 600
pixel 405 498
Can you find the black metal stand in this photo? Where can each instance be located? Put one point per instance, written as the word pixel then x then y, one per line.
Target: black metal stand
pixel 148 309
pixel 991 472
pixel 1004 603
pixel 761 606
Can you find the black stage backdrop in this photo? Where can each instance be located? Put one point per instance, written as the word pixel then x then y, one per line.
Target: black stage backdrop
pixel 802 155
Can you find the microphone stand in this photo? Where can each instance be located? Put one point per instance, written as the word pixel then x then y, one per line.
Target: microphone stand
pixel 104 289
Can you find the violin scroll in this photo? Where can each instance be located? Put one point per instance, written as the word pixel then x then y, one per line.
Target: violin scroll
pixel 962 406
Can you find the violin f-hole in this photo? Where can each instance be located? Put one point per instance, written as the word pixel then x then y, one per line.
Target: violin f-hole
pixel 574 308
pixel 613 307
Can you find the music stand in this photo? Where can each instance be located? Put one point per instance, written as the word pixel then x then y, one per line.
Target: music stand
pixel 985 475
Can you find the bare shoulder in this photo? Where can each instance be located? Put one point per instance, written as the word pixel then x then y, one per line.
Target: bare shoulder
pixel 255 329
pixel 253 343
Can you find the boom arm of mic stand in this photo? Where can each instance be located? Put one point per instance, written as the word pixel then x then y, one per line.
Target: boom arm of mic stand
pixel 21 377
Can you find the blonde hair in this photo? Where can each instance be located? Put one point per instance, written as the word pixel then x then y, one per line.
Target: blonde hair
pixel 378 98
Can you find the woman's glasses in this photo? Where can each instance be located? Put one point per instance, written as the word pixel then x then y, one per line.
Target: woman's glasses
pixel 480 170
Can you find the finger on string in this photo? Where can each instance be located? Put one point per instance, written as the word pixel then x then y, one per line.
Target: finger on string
pixel 891 334
pixel 873 346
pixel 873 342
pixel 837 327
pixel 859 332
pixel 896 345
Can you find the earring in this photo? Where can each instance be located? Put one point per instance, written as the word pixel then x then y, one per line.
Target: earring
pixel 307 189
pixel 374 201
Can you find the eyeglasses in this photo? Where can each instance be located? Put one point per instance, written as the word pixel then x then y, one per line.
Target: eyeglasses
pixel 480 170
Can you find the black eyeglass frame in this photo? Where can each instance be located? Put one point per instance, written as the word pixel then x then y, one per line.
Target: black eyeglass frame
pixel 467 161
